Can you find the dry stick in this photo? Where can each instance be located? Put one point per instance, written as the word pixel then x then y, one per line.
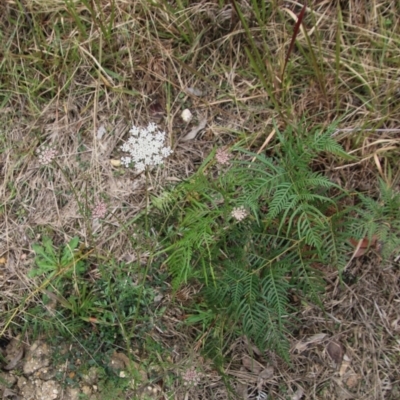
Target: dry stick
pixel 350 130
pixel 354 254
pixel 365 158
pixel 295 33
pixel 267 140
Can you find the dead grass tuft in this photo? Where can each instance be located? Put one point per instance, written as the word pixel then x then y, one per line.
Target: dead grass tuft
pixel 361 317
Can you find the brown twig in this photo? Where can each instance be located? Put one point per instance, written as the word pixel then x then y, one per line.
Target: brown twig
pixel 294 36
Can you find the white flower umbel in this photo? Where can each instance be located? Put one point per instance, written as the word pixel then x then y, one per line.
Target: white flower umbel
pixel 239 213
pixel 145 147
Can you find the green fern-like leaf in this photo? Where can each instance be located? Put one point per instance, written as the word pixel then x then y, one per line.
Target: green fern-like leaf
pixel 275 289
pixel 381 219
pixel 281 199
pixel 247 268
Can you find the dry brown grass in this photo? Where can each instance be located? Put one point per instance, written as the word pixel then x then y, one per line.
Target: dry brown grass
pixel 60 82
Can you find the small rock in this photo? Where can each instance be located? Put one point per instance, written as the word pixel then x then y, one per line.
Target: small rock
pixel 86 390
pixel 27 388
pixel 37 358
pixel 48 390
pixel 91 377
pixel 186 115
pixel 45 373
pixel 22 381
pixel 14 360
pixel 72 394
pixel 118 361
pixel 14 353
pixel 11 395
pixel 7 380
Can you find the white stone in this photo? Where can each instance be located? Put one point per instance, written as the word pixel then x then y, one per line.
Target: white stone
pixel 186 115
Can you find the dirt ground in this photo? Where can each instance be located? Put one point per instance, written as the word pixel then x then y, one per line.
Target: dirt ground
pixel 349 350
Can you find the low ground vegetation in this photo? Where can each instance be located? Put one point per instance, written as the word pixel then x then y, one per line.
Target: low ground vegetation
pixel 200 199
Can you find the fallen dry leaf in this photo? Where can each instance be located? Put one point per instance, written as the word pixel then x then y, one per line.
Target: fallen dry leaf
pixel 156 110
pixel 264 376
pixel 336 352
pixel 267 373
pixel 194 92
pixel 254 348
pixel 3 260
pixel 251 364
pixel 363 245
pixel 195 130
pixel 298 395
pixel 315 339
pixel 101 131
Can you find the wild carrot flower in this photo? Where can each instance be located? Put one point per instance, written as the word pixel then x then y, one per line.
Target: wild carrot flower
pixel 239 213
pixel 46 154
pixel 99 210
pixel 145 147
pixel 191 377
pixel 222 156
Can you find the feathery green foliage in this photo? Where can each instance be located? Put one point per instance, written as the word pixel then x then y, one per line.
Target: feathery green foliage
pixel 380 219
pixel 250 268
